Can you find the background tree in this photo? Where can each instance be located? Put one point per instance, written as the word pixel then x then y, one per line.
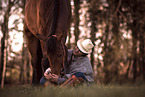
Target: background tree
pixel 25 65
pixel 117 28
pixel 76 19
pixel 135 22
pixel 93 20
pixel 4 28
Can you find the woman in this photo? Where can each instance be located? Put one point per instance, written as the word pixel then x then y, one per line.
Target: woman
pixel 79 69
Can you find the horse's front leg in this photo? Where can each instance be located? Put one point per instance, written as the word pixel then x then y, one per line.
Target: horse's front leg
pixel 34 47
pixel 45 63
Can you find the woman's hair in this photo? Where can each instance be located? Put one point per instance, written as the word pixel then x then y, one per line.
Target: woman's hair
pixel 84 54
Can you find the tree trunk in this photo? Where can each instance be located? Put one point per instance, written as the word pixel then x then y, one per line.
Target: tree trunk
pixel 23 63
pixel 143 54
pixel 106 56
pixel 76 20
pixel 116 46
pixel 93 26
pixel 2 55
pixel 4 27
pixel 134 51
pixel 69 37
pixel 22 78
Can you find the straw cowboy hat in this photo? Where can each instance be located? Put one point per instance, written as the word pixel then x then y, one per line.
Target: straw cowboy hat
pixel 85 45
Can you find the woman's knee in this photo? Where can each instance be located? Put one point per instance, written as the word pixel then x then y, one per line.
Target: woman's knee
pixel 80 74
pixel 43 80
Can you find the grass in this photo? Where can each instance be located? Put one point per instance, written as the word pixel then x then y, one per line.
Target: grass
pixel 81 91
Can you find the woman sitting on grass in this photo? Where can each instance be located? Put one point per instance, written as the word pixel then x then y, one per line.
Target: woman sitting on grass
pixel 79 69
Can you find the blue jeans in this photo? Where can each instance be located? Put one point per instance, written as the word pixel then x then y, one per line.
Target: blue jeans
pixel 43 80
pixel 80 74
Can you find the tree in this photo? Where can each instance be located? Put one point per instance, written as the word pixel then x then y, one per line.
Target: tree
pixel 4 27
pixel 7 11
pixel 24 74
pixel 76 19
pixel 134 13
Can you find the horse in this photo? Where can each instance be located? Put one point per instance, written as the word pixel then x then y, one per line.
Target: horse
pixel 45 27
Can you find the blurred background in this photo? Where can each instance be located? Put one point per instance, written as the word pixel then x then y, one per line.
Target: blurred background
pixel 116 27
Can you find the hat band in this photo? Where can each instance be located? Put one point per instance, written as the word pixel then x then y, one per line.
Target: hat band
pixel 83 48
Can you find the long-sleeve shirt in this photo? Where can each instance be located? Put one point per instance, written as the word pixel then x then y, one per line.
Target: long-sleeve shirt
pixel 78 64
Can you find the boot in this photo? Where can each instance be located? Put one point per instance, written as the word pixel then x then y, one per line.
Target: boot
pixel 72 81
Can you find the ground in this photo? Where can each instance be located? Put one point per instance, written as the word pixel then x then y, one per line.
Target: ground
pixel 81 91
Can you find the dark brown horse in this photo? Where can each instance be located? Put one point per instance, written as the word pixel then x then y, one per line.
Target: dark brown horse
pixel 46 26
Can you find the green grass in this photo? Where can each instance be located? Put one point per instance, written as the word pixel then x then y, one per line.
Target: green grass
pixel 81 91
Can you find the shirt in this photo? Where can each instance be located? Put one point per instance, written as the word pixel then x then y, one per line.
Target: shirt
pixel 78 64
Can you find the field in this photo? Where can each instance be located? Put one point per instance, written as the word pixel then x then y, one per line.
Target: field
pixel 81 91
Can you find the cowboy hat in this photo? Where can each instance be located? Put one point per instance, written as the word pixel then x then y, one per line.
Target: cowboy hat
pixel 85 45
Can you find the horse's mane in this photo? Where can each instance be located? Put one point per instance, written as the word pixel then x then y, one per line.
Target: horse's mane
pixel 51 45
pixel 48 15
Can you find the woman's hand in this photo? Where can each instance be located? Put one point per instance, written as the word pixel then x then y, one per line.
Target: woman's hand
pixel 54 78
pixel 51 77
pixel 47 76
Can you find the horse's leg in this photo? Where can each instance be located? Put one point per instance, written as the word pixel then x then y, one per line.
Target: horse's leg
pixel 45 63
pixel 34 47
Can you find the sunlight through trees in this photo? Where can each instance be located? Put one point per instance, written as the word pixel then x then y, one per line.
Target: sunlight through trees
pixel 116 27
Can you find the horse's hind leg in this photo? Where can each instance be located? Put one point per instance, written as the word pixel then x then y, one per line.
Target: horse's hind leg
pixel 34 47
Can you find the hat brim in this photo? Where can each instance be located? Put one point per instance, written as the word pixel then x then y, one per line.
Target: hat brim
pixel 79 44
